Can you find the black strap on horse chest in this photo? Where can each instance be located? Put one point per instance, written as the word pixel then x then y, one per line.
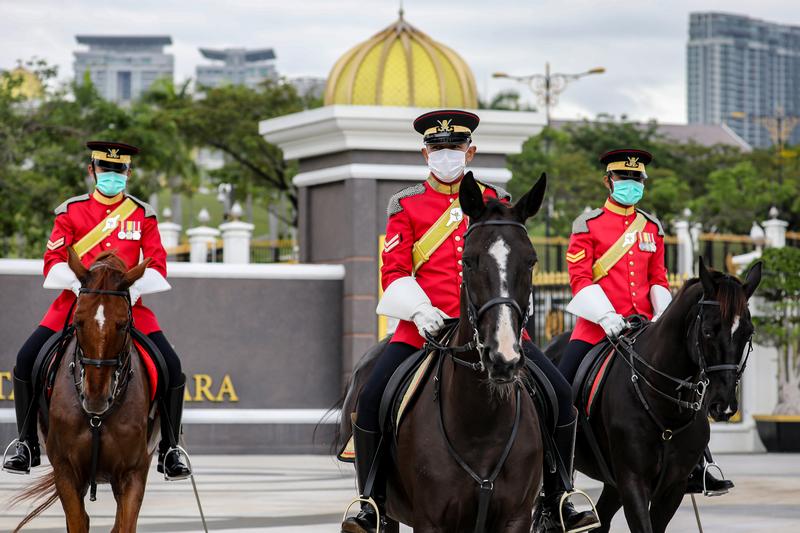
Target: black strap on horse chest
pixel 485 486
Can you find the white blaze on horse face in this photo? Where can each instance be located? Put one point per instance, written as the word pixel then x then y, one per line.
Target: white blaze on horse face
pixel 735 325
pixel 505 336
pixel 100 316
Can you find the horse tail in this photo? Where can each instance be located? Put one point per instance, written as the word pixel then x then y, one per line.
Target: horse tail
pixel 44 489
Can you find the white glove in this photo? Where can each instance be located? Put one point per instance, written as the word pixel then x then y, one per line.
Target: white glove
pixel 151 282
pixel 62 277
pixel 612 324
pixel 134 293
pixel 660 297
pixel 76 287
pixel 428 319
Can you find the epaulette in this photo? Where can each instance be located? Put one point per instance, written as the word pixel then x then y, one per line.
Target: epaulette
pixel 579 225
pixel 501 193
pixel 394 202
pixel 148 209
pixel 61 209
pixel 654 220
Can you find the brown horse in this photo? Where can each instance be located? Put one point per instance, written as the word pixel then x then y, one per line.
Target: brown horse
pixel 468 412
pixel 101 383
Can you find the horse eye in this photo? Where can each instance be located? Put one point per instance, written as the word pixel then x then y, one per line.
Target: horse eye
pixel 470 262
pixel 121 325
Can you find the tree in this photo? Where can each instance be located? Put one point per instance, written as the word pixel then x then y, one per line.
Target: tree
pixel 226 119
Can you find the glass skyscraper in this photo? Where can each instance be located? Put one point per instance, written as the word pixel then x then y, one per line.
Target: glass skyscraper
pixel 737 64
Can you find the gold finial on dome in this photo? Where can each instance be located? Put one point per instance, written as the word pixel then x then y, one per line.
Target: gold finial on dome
pixel 401 66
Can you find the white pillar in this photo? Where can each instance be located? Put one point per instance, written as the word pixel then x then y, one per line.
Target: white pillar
pixel 200 237
pixel 236 238
pixel 169 230
pixel 685 245
pixel 775 230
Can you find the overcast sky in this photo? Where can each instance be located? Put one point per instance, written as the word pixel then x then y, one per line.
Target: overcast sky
pixel 641 43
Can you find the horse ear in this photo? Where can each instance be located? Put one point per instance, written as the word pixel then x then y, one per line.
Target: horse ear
pixel 753 279
pixel 529 205
pixel 76 266
pixel 709 289
pixel 471 197
pixel 133 274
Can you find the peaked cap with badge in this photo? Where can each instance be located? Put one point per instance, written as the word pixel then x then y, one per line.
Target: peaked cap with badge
pixel 627 161
pixel 112 155
pixel 446 126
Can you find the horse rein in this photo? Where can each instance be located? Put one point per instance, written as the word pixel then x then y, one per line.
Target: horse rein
pixel 485 485
pixel 123 371
pixel 699 387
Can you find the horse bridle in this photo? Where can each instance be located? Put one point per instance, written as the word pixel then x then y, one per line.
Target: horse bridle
pixel 699 387
pixel 121 362
pixel 726 367
pixel 474 314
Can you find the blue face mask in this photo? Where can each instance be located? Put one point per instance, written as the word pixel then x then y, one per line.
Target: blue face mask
pixel 111 183
pixel 627 192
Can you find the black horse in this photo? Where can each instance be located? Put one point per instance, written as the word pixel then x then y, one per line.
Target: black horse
pixel 473 420
pixel 650 420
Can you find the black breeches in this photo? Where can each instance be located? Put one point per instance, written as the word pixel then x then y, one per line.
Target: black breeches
pixel 370 398
pixel 170 357
pixel 26 356
pixel 571 360
pixel 562 388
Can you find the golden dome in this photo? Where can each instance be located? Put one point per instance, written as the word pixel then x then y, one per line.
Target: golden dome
pixel 29 86
pixel 401 66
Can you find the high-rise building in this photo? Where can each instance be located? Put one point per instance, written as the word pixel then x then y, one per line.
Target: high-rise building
pixel 737 64
pixel 122 67
pixel 237 66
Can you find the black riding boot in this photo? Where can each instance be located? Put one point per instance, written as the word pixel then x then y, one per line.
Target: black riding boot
pixel 556 485
pixel 367 444
pixel 713 486
pixel 26 448
pixel 172 461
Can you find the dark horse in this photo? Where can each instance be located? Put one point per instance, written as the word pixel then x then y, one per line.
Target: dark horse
pixel 651 417
pixel 478 400
pixel 100 383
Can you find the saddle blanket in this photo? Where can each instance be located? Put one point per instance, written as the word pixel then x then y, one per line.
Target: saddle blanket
pixel 348 453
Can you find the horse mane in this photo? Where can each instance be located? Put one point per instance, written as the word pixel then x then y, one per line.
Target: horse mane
pixel 106 265
pixel 494 207
pixel 730 293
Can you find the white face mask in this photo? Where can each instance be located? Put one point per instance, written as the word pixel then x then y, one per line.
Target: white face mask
pixel 446 164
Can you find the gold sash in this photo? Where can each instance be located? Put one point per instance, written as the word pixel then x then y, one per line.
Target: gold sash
pixel 105 227
pixel 606 262
pixel 423 249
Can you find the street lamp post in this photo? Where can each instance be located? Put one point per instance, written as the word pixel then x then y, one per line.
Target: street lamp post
pixel 548 86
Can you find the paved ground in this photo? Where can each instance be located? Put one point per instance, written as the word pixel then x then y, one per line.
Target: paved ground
pixel 293 494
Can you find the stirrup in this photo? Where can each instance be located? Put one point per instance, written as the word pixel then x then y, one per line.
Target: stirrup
pixel 370 501
pixel 711 493
pixel 188 462
pixel 14 443
pixel 564 497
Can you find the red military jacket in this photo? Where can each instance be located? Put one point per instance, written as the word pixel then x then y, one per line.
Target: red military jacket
pixel 412 212
pixel 78 216
pixel 628 282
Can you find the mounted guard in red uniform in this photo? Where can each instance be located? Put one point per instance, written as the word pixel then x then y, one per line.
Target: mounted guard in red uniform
pixel 106 220
pixel 421 278
pixel 615 260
